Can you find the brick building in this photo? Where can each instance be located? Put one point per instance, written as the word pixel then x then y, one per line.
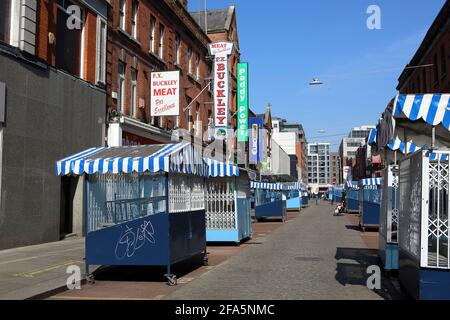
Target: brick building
pixel 52 71
pixel 157 35
pixel 428 70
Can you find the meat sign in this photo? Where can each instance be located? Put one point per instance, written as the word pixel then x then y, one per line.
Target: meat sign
pixel 165 96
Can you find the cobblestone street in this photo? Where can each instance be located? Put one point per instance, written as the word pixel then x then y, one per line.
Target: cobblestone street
pixel 315 256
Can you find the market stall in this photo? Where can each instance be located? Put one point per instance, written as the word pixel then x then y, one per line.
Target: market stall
pixel 424 243
pixel 293 196
pixel 228 202
pixel 369 203
pixel 352 197
pixel 388 231
pixel 270 200
pixel 144 205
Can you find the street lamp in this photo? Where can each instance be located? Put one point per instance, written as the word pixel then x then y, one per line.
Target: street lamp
pixel 315 82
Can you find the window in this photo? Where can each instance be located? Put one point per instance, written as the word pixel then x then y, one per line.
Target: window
pixel 122 12
pixel 197 67
pixel 161 41
pixel 101 50
pixel 189 60
pixel 4 21
pixel 443 61
pixel 121 87
pixel 133 92
pixel 68 46
pixel 134 17
pixel 177 49
pixel 152 34
pixel 436 69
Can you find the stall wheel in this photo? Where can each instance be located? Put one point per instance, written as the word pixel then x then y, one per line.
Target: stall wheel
pixel 171 280
pixel 90 278
pixel 205 260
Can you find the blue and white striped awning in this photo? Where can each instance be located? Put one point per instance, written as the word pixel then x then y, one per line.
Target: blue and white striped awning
pixel 438 156
pixel 371 182
pixel 220 169
pixel 403 147
pixel 266 186
pixel 431 108
pixel 180 157
pixel 372 137
pixel 351 185
pixel 280 186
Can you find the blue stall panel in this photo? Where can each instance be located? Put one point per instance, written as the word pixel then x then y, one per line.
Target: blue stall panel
pixel 272 209
pixel 142 242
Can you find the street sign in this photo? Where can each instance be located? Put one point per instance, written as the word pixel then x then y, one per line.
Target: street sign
pixel 242 103
pixel 256 139
pixel 221 51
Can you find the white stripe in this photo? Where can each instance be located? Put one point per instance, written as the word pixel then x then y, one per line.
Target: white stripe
pixel 425 106
pixel 408 105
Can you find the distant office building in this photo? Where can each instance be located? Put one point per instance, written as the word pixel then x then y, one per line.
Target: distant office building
pixel 335 168
pixel 291 138
pixel 319 166
pixel 349 145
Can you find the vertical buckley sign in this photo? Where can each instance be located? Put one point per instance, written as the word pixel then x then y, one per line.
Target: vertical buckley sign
pixel 221 51
pixel 242 102
pixel 165 94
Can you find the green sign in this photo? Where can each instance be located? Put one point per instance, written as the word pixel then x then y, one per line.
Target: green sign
pixel 242 102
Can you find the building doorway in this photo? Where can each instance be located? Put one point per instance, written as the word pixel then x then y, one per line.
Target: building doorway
pixel 68 188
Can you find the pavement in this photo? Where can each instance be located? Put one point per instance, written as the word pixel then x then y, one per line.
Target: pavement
pixel 30 271
pixel 313 255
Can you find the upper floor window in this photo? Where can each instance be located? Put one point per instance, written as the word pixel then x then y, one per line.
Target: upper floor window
pixel 4 20
pixel 161 41
pixel 177 49
pixel 134 17
pixel 189 60
pixel 197 67
pixel 101 50
pixel 121 87
pixel 68 46
pixel 152 33
pixel 133 92
pixel 122 13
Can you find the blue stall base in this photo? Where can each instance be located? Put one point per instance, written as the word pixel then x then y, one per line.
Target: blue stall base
pixel 389 256
pixel 352 206
pixel 423 283
pixel 294 204
pixel 272 209
pixel 156 240
pixel 369 215
pixel 225 236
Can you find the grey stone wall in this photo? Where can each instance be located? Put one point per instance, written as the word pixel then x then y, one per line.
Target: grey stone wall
pixel 49 115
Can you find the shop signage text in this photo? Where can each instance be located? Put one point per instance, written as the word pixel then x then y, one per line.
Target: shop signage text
pixel 242 103
pixel 165 93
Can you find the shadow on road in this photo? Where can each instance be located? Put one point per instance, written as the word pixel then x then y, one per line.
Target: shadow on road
pixel 147 273
pixel 354 272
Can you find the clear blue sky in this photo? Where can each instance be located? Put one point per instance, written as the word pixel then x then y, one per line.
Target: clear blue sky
pixel 288 42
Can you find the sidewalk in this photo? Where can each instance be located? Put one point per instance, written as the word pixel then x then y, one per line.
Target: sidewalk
pixel 29 271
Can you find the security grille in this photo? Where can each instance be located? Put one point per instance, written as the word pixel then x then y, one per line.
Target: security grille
pixel 118 198
pixel 220 204
pixel 389 204
pixel 186 193
pixel 438 220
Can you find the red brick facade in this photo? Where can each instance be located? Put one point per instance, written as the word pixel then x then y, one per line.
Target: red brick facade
pixel 136 55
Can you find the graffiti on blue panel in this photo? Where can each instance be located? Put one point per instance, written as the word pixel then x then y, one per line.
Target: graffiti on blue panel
pixel 132 239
